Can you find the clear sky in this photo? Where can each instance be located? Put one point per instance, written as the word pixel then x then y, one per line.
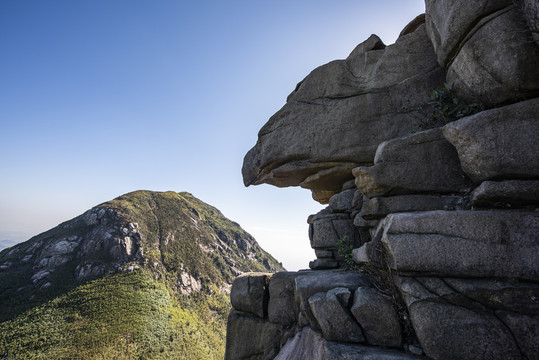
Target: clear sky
pixel 102 97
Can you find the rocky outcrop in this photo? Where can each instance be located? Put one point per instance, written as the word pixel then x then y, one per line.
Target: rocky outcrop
pixel 338 115
pixel 440 224
pixel 173 235
pixel 487 48
pixel 327 314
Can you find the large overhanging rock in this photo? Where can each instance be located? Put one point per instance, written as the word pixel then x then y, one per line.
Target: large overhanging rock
pixel 487 47
pixel 338 115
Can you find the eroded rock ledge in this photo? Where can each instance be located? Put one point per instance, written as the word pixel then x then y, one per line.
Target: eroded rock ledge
pixel 436 213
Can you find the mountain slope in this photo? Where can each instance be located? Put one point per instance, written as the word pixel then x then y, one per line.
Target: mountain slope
pixel 6 243
pixel 142 275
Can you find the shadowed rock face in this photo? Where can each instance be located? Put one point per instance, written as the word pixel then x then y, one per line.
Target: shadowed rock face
pixel 487 47
pixel 338 115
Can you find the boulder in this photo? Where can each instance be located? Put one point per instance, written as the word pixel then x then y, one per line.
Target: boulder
pixel 324 263
pixel 343 201
pixel 338 115
pixel 250 337
pixel 498 143
pixel 424 162
pixel 531 13
pixel 308 283
pixel 333 318
pixel 510 296
pixel 305 345
pixel 464 243
pixel 377 317
pixel 476 294
pixel 525 330
pixel 511 193
pixel 447 331
pixel 250 293
pixel 487 48
pixel 282 307
pixel 379 207
pixel 309 345
pixel 472 318
pixel 325 232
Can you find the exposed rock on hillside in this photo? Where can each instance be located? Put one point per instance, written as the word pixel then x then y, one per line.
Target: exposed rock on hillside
pixel 441 226
pixel 174 235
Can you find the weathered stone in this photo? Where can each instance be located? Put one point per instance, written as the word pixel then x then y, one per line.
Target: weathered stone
pixel 306 345
pixel 335 351
pixel 514 303
pixel 309 345
pixel 449 21
pixel 339 113
pixel 323 196
pixel 342 202
pixel 531 13
pixel 350 184
pixel 525 330
pixel 325 213
pixel 282 307
pixel 325 254
pixel 322 264
pixel 377 317
pixel 250 293
pixel 308 283
pixel 464 243
pixel 424 162
pixel 325 232
pixel 522 297
pixel 334 320
pixel 413 25
pixel 498 143
pixel 379 207
pixel 447 331
pixel 360 222
pixel 487 48
pixel 331 179
pixel 249 337
pixel 511 193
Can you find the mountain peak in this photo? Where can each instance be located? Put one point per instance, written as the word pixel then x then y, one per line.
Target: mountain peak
pixel 175 236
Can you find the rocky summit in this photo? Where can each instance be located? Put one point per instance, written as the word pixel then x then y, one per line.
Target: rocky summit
pixel 426 153
pixel 147 268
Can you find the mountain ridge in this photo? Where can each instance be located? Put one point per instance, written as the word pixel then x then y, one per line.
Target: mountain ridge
pixel 140 242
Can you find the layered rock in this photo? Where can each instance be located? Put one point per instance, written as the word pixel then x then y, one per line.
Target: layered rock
pixel 487 47
pixel 325 314
pixel 338 115
pixel 440 225
pixel 173 235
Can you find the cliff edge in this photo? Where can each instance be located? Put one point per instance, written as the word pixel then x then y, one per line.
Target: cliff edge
pixel 426 152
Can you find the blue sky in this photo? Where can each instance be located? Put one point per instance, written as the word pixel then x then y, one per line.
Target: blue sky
pixel 99 98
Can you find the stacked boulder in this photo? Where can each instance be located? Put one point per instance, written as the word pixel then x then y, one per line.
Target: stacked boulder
pixel 325 314
pixel 439 205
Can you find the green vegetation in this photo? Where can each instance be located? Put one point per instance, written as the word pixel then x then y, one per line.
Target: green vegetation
pixel 180 231
pixel 448 107
pixel 120 316
pixel 127 315
pixel 344 248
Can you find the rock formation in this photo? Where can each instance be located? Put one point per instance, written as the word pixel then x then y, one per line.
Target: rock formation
pixel 426 152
